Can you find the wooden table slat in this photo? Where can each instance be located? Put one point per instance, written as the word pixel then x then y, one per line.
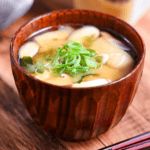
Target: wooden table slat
pixel 92 144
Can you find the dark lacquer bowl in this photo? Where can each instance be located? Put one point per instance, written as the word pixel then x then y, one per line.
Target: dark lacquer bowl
pixel 76 113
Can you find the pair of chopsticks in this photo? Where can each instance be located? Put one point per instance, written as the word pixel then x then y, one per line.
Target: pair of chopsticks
pixel 140 142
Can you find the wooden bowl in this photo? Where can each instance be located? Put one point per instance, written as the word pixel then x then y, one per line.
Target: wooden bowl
pixel 76 113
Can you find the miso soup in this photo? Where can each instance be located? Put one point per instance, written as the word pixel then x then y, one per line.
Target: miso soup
pixel 77 55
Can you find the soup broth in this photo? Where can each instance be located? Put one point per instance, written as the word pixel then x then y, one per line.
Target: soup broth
pixel 77 55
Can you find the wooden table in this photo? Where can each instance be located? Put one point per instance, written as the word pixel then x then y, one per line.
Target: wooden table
pixel 18 131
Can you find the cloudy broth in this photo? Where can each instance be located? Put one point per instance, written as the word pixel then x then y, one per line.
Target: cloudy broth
pixel 77 55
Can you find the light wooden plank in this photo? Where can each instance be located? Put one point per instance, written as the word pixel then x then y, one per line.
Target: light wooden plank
pixel 92 144
pixel 142 101
pixel 5 67
pixel 142 98
pixel 131 125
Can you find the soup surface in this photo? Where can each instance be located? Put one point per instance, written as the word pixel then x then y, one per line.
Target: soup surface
pixel 77 55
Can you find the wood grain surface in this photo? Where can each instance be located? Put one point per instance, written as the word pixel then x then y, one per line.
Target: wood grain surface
pixel 136 120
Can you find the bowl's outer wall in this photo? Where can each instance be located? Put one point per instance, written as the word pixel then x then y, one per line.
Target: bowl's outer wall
pixel 76 114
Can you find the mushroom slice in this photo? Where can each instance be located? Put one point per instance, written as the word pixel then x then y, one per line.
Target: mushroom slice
pixel 28 49
pixel 121 60
pixel 67 29
pixel 92 83
pixel 85 35
pixel 110 38
pixel 101 45
pixel 118 58
pixel 53 39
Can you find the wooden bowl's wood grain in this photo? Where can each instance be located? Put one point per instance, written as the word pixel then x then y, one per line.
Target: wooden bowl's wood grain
pixel 76 114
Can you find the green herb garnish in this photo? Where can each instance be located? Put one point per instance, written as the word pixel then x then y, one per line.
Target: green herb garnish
pixel 26 60
pixel 73 58
pixel 31 66
pixel 27 63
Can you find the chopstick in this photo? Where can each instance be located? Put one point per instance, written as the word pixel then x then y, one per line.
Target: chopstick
pixel 139 146
pixel 139 142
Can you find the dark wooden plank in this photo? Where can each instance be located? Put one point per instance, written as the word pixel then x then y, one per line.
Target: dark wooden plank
pixel 17 129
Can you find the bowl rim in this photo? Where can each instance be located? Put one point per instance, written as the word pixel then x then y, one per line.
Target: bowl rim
pixel 70 87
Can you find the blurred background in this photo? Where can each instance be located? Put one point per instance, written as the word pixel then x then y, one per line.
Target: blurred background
pixel 128 10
